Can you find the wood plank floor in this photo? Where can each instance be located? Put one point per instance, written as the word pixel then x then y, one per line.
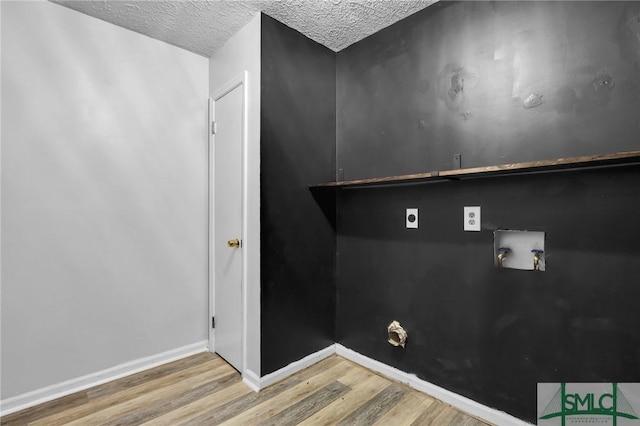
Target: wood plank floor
pixel 204 390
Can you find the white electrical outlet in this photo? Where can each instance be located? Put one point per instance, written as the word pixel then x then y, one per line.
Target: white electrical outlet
pixel 412 218
pixel 472 218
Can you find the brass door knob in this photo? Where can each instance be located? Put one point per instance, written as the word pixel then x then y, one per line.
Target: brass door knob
pixel 235 243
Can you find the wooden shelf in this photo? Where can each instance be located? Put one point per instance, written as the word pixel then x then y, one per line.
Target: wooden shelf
pixel 558 164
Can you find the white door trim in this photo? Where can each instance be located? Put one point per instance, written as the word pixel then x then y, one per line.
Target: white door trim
pixel 239 80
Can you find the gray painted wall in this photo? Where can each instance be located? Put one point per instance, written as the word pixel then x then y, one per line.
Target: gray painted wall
pixel 104 196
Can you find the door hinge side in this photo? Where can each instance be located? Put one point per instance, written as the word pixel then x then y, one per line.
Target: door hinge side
pixel 214 127
pixel 213 322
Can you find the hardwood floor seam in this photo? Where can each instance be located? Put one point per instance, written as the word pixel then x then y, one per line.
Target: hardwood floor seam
pixel 308 406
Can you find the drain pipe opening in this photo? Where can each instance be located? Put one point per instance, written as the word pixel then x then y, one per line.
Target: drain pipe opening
pixel 397 334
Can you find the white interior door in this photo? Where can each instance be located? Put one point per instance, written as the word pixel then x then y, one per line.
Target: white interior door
pixel 227 176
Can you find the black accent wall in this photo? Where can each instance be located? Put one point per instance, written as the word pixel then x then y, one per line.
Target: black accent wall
pixel 298 108
pixel 485 333
pixel 497 82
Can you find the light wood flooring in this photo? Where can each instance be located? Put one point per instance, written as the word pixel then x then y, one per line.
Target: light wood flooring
pixel 204 390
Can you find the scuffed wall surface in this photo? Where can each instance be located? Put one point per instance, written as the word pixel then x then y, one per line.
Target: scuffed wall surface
pixel 497 82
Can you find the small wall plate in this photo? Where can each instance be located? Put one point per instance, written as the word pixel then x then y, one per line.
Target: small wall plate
pixel 411 217
pixel 472 218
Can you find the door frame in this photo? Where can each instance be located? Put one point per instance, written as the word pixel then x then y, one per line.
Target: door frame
pixel 239 80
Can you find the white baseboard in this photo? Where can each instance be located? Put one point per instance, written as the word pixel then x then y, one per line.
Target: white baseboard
pixel 39 396
pixel 293 368
pixel 252 380
pixel 459 402
pixel 257 383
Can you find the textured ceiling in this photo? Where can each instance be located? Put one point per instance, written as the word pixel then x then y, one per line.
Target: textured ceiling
pixel 202 26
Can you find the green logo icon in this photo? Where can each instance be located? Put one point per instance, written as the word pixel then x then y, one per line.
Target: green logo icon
pixel 566 404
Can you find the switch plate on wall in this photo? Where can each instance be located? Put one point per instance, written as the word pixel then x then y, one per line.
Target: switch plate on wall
pixel 412 218
pixel 472 218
